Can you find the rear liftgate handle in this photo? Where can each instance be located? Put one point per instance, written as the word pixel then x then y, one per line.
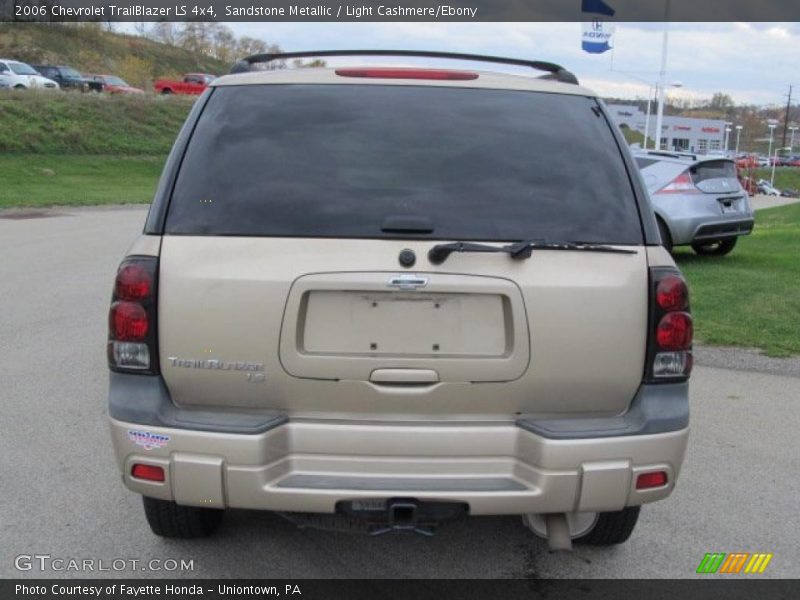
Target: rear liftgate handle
pixel 402 377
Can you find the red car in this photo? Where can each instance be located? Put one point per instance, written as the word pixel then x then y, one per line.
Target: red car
pixel 192 83
pixel 114 85
pixel 747 161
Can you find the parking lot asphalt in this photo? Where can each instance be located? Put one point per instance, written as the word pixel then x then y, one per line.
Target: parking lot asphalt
pixel 61 493
pixel 760 201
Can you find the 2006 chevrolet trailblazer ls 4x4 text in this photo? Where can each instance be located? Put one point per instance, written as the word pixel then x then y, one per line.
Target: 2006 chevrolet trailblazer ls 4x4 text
pixel 389 297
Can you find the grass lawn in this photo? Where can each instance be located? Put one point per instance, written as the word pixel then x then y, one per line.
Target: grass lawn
pixel 752 296
pixel 38 122
pixel 47 180
pixel 785 177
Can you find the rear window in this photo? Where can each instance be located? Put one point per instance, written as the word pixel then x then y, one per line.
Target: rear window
pixel 713 169
pixel 339 160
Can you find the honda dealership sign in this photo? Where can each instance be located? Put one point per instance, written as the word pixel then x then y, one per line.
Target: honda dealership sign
pixel 597 36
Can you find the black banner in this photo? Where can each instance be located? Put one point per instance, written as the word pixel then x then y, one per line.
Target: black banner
pixel 399 10
pixel 399 589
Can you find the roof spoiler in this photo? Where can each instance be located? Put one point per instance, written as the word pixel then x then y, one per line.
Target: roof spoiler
pixel 554 71
pixel 669 154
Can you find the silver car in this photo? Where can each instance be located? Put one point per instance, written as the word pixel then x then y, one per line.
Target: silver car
pixel 698 200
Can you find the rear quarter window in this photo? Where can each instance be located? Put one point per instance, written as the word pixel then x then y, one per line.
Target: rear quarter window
pixel 338 160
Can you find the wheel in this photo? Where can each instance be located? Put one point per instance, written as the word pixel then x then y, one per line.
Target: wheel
pixel 666 237
pixel 611 527
pixel 20 87
pixel 166 91
pixel 718 248
pixel 171 520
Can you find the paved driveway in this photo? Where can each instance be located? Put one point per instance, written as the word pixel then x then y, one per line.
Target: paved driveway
pixel 760 201
pixel 61 493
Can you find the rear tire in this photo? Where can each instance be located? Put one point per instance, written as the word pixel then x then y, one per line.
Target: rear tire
pixel 166 92
pixel 611 527
pixel 666 238
pixel 718 248
pixel 172 520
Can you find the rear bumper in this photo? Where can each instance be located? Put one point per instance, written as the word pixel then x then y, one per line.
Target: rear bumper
pixel 695 219
pixel 698 229
pixel 496 467
pixel 723 229
pixel 310 466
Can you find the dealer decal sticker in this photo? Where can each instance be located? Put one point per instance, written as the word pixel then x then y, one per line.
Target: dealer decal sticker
pixel 148 440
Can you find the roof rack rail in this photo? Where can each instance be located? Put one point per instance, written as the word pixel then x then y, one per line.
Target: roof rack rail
pixel 555 72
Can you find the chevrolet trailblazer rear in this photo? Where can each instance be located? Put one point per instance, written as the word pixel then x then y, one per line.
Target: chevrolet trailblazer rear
pixel 386 298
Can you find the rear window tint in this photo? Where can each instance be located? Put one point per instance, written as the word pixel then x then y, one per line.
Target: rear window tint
pixel 339 160
pixel 713 169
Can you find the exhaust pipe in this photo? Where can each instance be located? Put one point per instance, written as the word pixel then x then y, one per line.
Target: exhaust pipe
pixel 559 529
pixel 558 537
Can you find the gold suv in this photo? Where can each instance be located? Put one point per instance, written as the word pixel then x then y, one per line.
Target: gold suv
pixel 387 297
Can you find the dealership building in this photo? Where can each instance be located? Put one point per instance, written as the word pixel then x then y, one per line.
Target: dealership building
pixel 682 134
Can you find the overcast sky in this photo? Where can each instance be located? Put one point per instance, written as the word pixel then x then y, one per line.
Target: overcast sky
pixel 752 62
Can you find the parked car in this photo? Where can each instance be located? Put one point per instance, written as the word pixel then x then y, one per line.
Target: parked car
pixel 113 84
pixel 712 154
pixel 747 161
pixel 781 161
pixel 192 83
pixel 20 76
pixel 698 201
pixel 766 188
pixel 383 295
pixel 68 78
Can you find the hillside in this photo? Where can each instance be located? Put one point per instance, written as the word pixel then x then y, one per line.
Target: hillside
pixel 89 48
pixel 634 137
pixel 72 123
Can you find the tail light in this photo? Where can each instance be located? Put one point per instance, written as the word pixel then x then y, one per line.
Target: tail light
pixel 132 346
pixel 669 346
pixel 682 184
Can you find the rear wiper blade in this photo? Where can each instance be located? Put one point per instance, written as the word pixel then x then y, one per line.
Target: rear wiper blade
pixel 520 250
pixel 439 253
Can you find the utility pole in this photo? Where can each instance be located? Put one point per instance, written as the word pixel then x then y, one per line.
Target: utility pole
pixel 647 118
pixel 738 133
pixel 786 119
pixel 769 152
pixel 662 77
